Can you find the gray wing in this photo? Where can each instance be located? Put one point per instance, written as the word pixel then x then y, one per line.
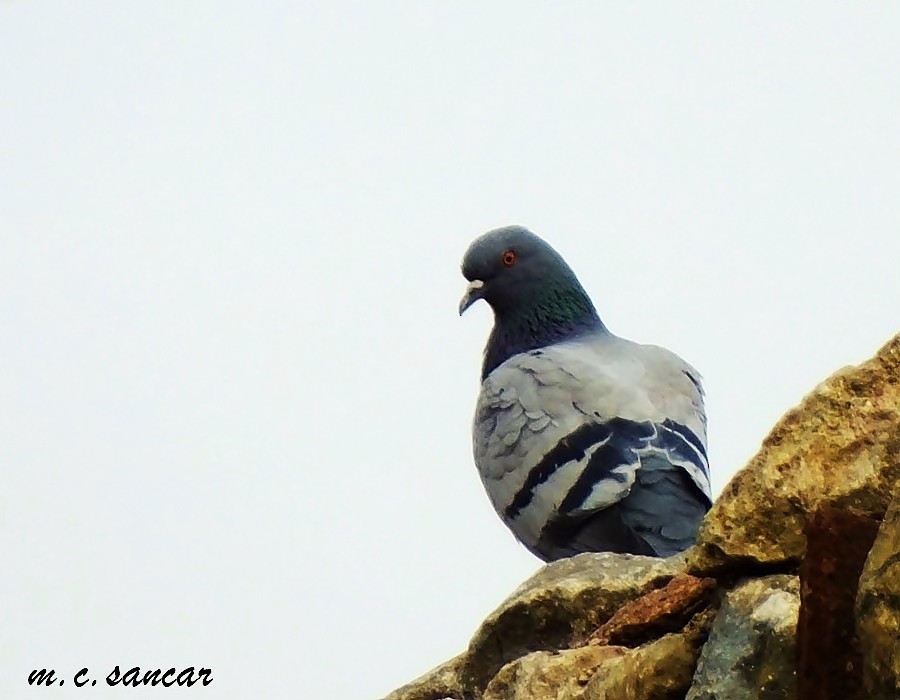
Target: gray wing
pixel 595 445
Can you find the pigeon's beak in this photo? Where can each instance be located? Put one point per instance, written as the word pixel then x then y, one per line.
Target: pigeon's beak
pixel 473 294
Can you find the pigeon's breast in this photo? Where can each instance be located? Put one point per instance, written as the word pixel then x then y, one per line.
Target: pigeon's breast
pixel 526 407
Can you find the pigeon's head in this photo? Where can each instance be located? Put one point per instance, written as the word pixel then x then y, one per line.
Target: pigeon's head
pixel 536 298
pixel 510 266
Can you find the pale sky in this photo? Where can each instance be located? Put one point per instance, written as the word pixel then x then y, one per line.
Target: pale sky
pixel 236 395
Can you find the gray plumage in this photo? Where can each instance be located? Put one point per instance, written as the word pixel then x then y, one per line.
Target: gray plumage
pixel 584 441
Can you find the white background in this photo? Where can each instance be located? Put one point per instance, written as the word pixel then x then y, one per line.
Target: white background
pixel 234 392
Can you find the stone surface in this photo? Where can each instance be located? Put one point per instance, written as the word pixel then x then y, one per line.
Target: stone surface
pixel 829 662
pixel 839 447
pixel 441 683
pixel 878 609
pixel 659 670
pixel 549 675
pixel 750 652
pixel 562 602
pixel 663 610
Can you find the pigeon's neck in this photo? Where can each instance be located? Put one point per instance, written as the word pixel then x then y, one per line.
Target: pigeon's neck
pixel 556 315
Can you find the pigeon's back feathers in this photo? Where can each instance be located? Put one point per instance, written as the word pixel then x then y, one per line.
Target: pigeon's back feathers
pixel 584 441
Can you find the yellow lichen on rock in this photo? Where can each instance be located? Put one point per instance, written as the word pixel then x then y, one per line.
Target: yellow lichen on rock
pixel 559 675
pixel 840 446
pixel 878 609
pixel 563 601
pixel 439 683
pixel 659 670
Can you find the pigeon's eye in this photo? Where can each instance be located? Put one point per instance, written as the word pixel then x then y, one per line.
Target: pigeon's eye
pixel 508 258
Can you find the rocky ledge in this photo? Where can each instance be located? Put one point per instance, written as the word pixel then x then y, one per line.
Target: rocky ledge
pixel 792 590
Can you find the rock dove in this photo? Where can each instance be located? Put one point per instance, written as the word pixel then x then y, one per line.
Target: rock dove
pixel 585 441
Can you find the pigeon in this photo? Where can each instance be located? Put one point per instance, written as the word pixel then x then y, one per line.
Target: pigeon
pixel 585 441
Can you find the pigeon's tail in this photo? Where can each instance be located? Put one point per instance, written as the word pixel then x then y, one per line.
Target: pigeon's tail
pixel 659 517
pixel 601 531
pixel 665 507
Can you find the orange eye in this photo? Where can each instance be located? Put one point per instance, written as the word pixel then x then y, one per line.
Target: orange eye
pixel 508 258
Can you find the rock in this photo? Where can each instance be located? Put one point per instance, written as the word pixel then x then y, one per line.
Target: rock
pixel 441 683
pixel 564 601
pixel 829 661
pixel 663 610
pixel 878 609
pixel 839 447
pixel 659 670
pixel 549 675
pixel 750 651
